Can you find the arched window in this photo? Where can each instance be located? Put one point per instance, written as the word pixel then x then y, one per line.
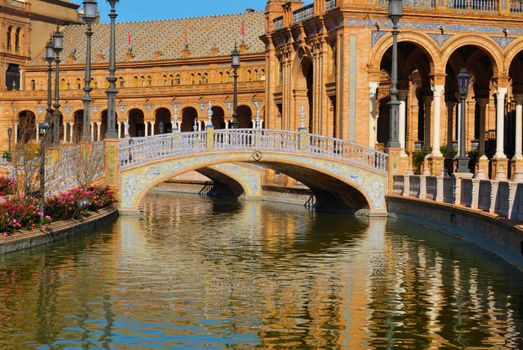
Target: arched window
pixel 205 79
pixel 262 74
pixel 78 83
pixel 178 79
pixel 122 82
pixel 149 81
pixel 227 77
pixel 17 39
pixel 199 78
pixel 249 75
pixel 256 74
pixel 9 34
pixel 136 81
pixel 193 79
pixel 93 83
pixel 164 80
pixel 142 81
pixel 171 80
pixel 33 85
pixel 63 84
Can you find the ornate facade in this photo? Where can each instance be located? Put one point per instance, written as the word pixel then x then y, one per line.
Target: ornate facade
pixel 330 59
pixel 333 57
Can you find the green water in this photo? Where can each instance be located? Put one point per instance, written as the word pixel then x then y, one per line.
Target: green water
pixel 193 273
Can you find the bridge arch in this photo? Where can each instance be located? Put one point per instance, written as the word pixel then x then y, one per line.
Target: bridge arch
pixel 355 186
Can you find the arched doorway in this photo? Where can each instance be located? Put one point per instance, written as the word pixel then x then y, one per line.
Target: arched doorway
pixel 189 115
pixel 218 117
pixel 103 126
pixel 304 97
pixel 245 117
pixel 163 121
pixel 480 121
pixel 136 123
pixel 26 127
pixel 78 126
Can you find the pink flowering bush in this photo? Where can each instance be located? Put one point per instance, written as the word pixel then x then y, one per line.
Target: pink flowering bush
pixel 23 213
pixel 7 186
pixel 20 214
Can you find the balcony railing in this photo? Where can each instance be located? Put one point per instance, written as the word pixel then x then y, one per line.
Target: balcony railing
pixel 15 3
pixel 473 5
pixel 304 13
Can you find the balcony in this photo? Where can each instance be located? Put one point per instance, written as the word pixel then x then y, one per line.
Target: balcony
pixel 303 14
pixel 330 4
pixel 278 23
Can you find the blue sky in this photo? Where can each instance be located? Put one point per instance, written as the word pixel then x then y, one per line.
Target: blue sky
pixel 140 10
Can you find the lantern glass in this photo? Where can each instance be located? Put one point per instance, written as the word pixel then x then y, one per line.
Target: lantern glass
pixel 235 55
pixel 58 41
pixel 112 2
pixel 463 81
pixel 49 51
pixel 90 10
pixel 395 9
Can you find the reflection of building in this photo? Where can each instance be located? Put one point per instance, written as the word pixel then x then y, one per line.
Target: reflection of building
pixel 168 71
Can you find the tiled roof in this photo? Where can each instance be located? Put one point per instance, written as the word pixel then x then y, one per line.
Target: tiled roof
pixel 168 37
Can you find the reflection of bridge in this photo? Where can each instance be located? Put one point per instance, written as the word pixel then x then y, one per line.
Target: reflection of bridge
pixel 336 171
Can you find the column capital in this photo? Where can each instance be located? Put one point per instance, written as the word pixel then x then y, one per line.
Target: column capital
pixel 501 91
pixel 438 79
pixel 437 90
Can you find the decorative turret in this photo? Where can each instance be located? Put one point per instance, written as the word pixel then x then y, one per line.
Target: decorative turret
pixel 273 10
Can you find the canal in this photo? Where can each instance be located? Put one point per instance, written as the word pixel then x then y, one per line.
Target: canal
pixel 196 273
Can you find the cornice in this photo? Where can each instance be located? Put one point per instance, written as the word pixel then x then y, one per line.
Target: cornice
pixel 63 3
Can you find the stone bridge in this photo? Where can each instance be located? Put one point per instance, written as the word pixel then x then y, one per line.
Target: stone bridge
pixel 336 171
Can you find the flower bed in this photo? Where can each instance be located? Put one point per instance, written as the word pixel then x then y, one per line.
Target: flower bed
pixel 23 213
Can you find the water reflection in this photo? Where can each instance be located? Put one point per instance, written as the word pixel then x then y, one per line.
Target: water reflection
pixel 199 272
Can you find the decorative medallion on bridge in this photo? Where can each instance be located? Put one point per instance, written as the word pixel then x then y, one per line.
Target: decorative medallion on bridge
pixel 257 156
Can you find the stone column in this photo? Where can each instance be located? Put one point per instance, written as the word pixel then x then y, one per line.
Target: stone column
pixel 152 128
pixel 517 161
pixel 91 126
pixel 427 101
pixel 71 132
pixel 373 115
pixel 66 131
pixel 146 129
pixel 402 96
pixel 99 131
pixel 449 159
pixel 16 133
pixel 483 162
pixel 499 162
pixel 37 132
pixel 435 159
pixel 119 130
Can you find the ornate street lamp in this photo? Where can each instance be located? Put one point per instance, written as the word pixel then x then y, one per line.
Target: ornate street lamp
pixel 395 13
pixel 112 91
pixel 58 45
pixel 49 57
pixel 463 87
pixel 90 13
pixel 43 132
pixel 235 57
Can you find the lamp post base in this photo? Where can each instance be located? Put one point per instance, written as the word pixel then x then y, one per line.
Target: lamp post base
pixel 462 165
pixel 499 168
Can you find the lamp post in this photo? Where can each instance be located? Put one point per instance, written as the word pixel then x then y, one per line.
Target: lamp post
pixel 9 134
pixel 235 57
pixel 395 13
pixel 90 12
pixel 58 42
pixel 49 57
pixel 463 87
pixel 41 201
pixel 112 91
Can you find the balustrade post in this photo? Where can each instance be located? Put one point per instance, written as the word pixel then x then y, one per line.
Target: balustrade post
pixel 304 140
pixel 112 165
pixel 494 185
pixel 422 187
pixel 210 137
pixel 512 199
pixel 406 185
pixel 474 202
pixel 439 188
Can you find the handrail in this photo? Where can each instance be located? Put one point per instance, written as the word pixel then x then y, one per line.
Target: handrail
pixel 138 150
pixel 303 13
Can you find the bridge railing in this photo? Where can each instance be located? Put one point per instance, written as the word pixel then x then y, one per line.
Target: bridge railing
pixel 142 149
pixel 137 150
pixel 348 151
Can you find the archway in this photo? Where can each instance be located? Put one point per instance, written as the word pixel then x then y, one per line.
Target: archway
pixel 78 126
pixel 245 117
pixel 189 115
pixel 415 95
pixel 26 127
pixel 304 96
pixel 136 123
pixel 516 77
pixel 163 121
pixel 12 76
pixel 218 117
pixel 103 126
pixel 480 124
